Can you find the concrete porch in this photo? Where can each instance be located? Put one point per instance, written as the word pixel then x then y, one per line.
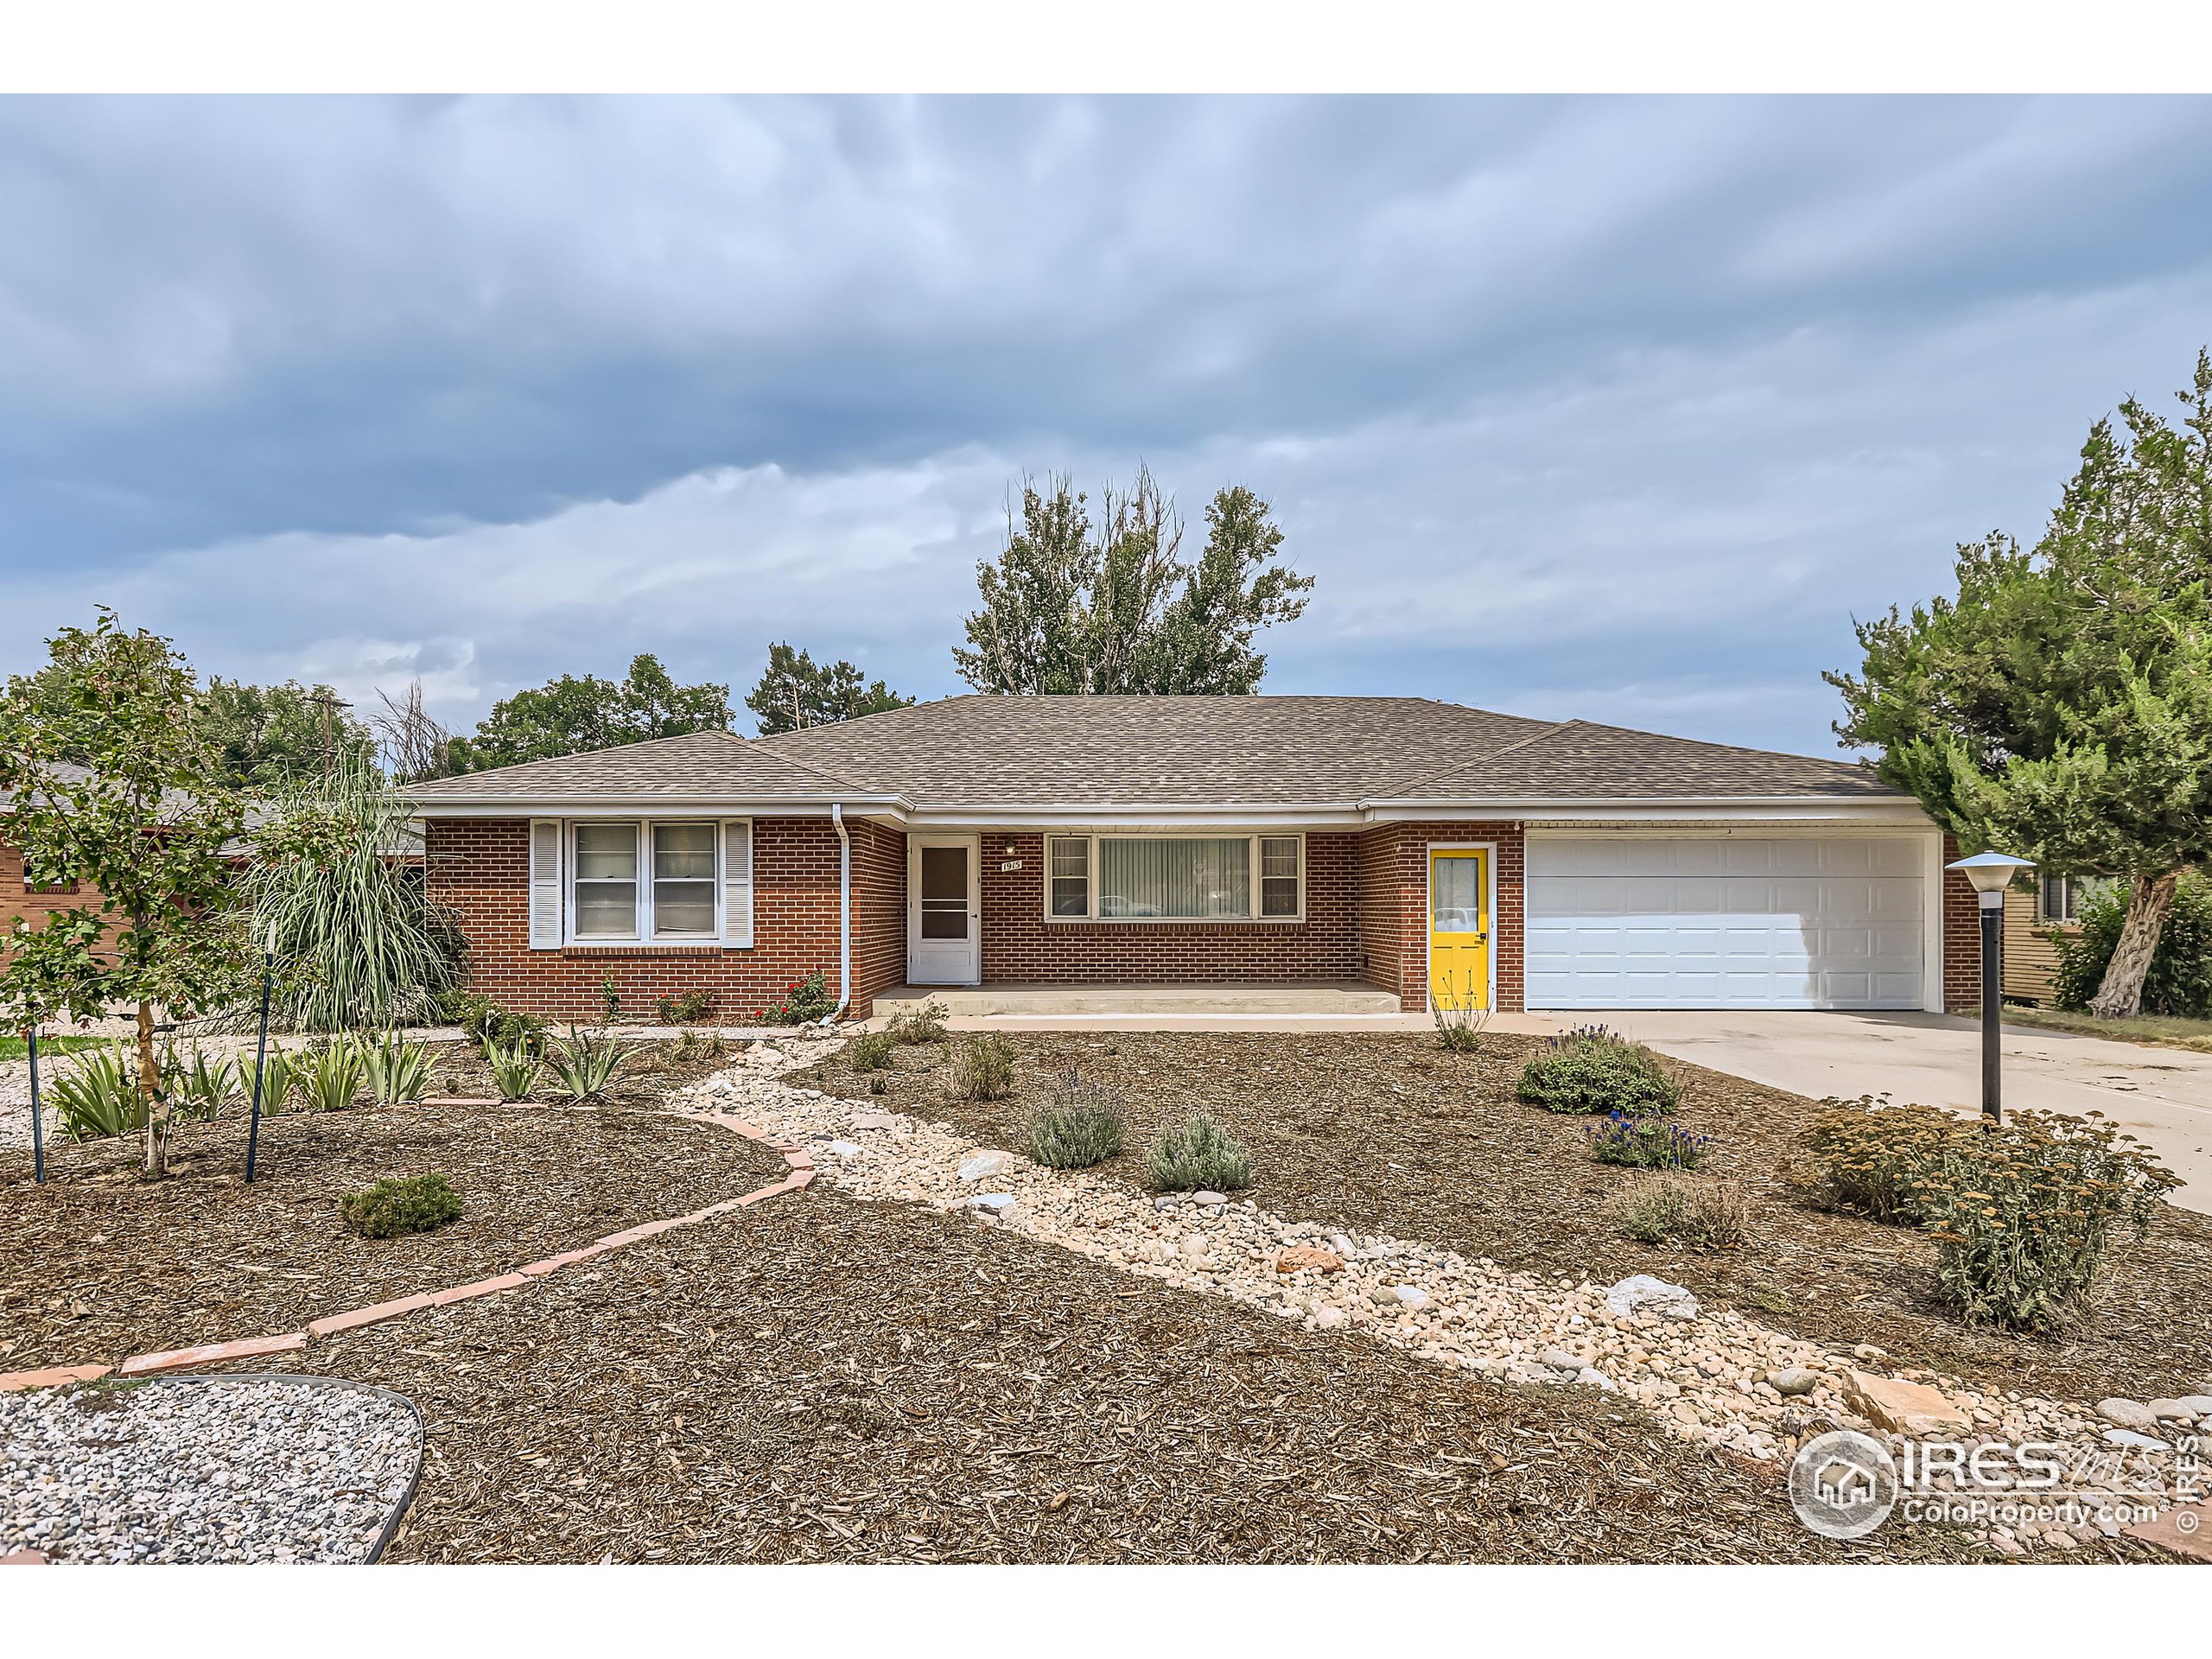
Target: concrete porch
pixel 1210 1004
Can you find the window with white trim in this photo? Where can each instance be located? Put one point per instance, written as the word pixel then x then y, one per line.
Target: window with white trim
pixel 1174 878
pixel 634 882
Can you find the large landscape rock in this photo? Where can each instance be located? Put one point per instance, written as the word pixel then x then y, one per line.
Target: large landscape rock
pixel 1301 1258
pixel 1904 1407
pixel 1643 1293
pixel 2129 1413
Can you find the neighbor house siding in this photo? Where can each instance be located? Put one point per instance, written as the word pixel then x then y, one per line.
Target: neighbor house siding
pixel 1019 946
pixel 1393 886
pixel 2031 956
pixel 479 867
pixel 20 902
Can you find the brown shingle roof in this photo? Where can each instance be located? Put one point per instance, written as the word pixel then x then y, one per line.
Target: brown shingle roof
pixel 699 766
pixel 1578 760
pixel 984 751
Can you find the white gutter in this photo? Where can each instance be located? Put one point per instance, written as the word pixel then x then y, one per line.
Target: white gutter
pixel 844 915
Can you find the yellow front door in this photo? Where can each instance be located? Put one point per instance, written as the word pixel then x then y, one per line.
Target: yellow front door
pixel 1459 929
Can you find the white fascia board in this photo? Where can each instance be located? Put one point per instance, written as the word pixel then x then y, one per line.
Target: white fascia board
pixel 1338 816
pixel 1736 810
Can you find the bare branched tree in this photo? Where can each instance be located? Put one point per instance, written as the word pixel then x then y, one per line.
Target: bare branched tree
pixel 415 745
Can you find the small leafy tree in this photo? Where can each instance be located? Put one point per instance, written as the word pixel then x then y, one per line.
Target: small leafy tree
pixel 576 717
pixel 2061 705
pixel 257 731
pixel 112 784
pixel 795 693
pixel 1074 606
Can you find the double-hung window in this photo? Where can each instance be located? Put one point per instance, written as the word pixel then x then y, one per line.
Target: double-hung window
pixel 1174 878
pixel 641 881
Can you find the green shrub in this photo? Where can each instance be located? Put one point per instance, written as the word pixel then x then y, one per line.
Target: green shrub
pixel 913 1027
pixel 687 1009
pixel 414 1203
pixel 2179 982
pixel 1081 1126
pixel 1594 1070
pixel 808 1000
pixel 1712 1217
pixel 488 1026
pixel 2022 1215
pixel 1197 1155
pixel 1646 1143
pixel 871 1052
pixel 982 1069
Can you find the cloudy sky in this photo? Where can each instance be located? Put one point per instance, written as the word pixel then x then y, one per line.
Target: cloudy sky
pixel 1616 409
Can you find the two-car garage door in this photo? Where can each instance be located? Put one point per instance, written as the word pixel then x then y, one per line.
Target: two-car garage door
pixel 1714 922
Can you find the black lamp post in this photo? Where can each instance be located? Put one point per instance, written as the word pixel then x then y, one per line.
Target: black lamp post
pixel 1991 874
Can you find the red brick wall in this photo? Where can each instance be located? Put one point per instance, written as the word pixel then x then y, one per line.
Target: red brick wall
pixel 1019 944
pixel 1962 937
pixel 1393 887
pixel 480 868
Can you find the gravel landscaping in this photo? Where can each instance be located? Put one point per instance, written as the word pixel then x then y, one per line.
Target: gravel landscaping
pixel 1393 1135
pixel 97 1264
pixel 231 1469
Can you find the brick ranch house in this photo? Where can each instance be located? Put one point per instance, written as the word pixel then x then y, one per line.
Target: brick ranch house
pixel 1410 846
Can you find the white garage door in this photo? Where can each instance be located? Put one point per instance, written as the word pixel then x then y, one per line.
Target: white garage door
pixel 1626 922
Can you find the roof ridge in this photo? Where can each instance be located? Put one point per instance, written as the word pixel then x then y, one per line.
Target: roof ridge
pixel 1552 728
pixel 1728 748
pixel 769 744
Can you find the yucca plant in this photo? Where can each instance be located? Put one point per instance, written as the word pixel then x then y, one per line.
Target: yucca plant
pixel 584 1064
pixel 330 1075
pixel 96 1095
pixel 200 1091
pixel 279 1081
pixel 515 1069
pixel 396 1070
pixel 360 942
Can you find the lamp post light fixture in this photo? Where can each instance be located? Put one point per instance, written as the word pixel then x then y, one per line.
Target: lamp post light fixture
pixel 1991 874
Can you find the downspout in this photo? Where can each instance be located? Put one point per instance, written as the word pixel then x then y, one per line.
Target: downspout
pixel 844 915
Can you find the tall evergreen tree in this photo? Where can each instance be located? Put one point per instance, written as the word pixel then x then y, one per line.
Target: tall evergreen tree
pixel 795 692
pixel 2061 705
pixel 1074 605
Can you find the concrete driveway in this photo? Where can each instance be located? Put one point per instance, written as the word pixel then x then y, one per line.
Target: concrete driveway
pixel 2163 1097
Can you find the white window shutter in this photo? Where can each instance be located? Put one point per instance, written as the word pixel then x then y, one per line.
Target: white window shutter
pixel 737 884
pixel 545 884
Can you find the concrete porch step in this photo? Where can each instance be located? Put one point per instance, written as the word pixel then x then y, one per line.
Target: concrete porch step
pixel 1326 1000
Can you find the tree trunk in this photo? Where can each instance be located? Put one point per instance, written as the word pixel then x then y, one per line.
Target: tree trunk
pixel 156 1099
pixel 2149 898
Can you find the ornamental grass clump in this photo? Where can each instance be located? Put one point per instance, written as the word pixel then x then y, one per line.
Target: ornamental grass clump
pixel 1082 1125
pixel 413 1203
pixel 396 1070
pixel 583 1064
pixel 911 1027
pixel 2022 1215
pixel 330 1075
pixel 515 1068
pixel 982 1069
pixel 871 1052
pixel 1594 1070
pixel 1713 1217
pixel 97 1096
pixel 1646 1143
pixel 1199 1155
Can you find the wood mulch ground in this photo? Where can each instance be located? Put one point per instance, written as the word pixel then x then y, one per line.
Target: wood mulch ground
pixel 1390 1132
pixel 824 1379
pixel 97 1264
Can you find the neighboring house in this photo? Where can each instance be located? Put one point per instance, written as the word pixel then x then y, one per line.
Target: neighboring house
pixel 1391 842
pixel 2051 905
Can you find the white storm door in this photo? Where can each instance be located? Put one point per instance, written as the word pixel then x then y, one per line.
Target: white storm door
pixel 944 911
